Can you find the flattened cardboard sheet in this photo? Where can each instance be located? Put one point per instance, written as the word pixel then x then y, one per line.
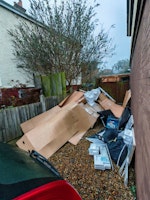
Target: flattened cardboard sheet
pixel 76 96
pixel 102 96
pixel 39 119
pixel 117 110
pixel 50 135
pixel 85 122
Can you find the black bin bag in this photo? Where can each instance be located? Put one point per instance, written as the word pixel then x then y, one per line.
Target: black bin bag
pixel 118 150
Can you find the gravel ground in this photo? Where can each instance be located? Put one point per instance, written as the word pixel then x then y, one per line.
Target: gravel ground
pixel 76 166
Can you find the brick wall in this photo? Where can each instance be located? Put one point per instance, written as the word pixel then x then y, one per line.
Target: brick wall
pixel 140 87
pixel 18 96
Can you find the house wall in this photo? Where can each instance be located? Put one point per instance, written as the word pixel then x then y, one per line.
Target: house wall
pixel 8 65
pixel 140 88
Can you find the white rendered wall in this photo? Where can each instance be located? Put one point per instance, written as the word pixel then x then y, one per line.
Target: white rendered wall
pixel 8 65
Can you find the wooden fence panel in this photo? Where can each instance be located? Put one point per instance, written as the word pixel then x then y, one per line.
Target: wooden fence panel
pixel 11 118
pixel 53 101
pixel 52 84
pixel 116 89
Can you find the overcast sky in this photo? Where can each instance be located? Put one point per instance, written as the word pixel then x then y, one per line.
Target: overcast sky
pixel 114 12
pixel 109 13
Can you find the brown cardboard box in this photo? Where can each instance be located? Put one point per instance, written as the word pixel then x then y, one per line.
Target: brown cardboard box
pixel 47 132
pixel 89 120
pixel 52 133
pixel 108 104
pixel 39 119
pixel 76 96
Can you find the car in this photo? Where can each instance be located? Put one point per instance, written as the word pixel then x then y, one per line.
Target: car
pixel 30 176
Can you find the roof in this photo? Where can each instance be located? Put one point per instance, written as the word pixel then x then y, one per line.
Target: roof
pixel 20 12
pixel 16 11
pixel 134 14
pixel 129 16
pixel 114 77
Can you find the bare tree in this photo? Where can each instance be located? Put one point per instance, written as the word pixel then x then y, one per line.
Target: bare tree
pixel 121 66
pixel 61 39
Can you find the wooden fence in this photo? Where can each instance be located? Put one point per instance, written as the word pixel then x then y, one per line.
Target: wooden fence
pixel 52 84
pixel 11 118
pixel 117 90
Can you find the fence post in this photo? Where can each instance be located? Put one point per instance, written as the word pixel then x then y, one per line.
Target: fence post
pixel 42 100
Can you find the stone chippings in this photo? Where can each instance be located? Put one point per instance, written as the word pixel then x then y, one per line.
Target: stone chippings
pixel 77 167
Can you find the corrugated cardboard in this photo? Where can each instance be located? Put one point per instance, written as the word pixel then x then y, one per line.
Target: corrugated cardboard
pixel 102 97
pixel 47 132
pixel 116 109
pixel 107 104
pixel 76 96
pixel 89 121
pixel 41 118
pixel 49 135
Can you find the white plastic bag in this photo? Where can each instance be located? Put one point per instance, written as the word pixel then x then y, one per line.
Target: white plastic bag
pixel 92 96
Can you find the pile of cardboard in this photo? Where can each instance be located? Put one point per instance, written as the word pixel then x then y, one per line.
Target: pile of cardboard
pixel 68 121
